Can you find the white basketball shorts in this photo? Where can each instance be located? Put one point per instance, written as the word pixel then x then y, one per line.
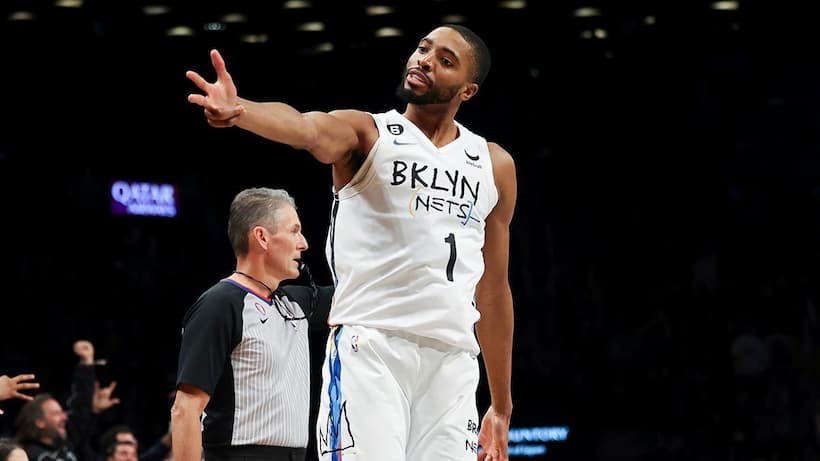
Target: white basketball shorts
pixel 390 396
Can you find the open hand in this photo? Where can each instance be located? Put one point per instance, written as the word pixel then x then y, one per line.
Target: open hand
pixel 220 101
pixel 11 387
pixel 102 399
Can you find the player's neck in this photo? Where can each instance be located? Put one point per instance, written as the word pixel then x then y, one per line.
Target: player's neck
pixel 438 125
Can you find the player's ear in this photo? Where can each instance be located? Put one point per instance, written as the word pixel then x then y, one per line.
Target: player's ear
pixel 469 91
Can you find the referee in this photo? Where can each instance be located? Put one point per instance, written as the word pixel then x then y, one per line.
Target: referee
pixel 243 379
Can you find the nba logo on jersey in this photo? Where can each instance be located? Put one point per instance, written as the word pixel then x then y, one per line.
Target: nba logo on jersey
pixel 395 129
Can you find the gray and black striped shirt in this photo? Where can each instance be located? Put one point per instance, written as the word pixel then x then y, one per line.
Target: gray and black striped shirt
pixel 241 349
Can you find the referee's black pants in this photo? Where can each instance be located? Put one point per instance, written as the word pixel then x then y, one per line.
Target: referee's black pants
pixel 255 453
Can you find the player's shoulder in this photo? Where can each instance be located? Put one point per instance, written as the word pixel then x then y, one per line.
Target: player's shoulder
pixel 353 116
pixel 501 158
pixel 362 122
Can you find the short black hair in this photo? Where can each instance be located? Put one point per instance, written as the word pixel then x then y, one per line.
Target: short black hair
pixel 108 441
pixel 481 54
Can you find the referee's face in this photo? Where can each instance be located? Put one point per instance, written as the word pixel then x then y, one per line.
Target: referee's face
pixel 287 244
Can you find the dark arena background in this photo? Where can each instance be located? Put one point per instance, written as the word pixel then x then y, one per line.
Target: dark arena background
pixel 664 251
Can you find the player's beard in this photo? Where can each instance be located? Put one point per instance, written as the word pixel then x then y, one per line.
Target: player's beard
pixel 432 96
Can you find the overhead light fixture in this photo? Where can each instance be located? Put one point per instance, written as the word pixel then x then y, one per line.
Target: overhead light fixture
pixel 512 4
pixel 21 16
pixel 586 12
pixel 454 19
pixel 600 33
pixel 378 10
pixel 296 4
pixel 729 5
pixel 315 26
pixel 649 20
pixel 234 18
pixel 180 31
pixel 155 10
pixel 323 47
pixel 388 32
pixel 214 26
pixel 254 38
pixel 69 3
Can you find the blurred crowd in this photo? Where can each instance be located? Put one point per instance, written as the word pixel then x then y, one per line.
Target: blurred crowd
pixel 46 429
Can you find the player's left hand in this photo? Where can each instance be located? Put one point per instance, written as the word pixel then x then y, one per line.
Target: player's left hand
pixel 493 437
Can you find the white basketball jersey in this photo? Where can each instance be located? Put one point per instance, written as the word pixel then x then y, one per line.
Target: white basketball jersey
pixel 407 233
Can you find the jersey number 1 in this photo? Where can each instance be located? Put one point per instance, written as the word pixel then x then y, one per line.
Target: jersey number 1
pixel 451 239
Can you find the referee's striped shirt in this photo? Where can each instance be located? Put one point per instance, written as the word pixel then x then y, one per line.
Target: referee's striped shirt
pixel 238 347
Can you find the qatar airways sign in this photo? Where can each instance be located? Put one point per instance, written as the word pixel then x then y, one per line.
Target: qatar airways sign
pixel 143 199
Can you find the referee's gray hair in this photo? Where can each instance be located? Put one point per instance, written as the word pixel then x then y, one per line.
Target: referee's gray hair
pixel 257 206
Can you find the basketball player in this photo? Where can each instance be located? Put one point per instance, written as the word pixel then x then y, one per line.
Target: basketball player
pixel 418 246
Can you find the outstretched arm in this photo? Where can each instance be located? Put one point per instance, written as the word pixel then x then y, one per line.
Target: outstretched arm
pixel 494 301
pixel 330 137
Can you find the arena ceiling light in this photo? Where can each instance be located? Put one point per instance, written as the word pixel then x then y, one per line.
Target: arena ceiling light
pixel 729 5
pixel 378 10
